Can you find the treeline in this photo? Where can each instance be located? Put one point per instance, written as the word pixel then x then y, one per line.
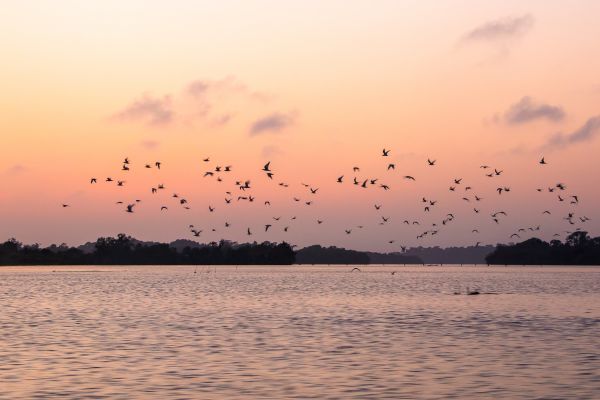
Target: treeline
pixel 451 255
pixel 125 250
pixel 335 255
pixel 578 249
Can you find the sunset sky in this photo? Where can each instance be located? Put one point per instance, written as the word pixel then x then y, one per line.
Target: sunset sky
pixel 314 87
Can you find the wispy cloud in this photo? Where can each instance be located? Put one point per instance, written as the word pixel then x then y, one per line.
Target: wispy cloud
pixel 270 151
pixel 528 110
pixel 587 132
pixel 207 93
pixel 500 30
pixel 227 85
pixel 209 101
pixel 150 110
pixel 16 169
pixel 272 123
pixel 150 144
pixel 221 120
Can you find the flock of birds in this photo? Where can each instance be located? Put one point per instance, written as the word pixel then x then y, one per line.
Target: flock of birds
pixel 242 191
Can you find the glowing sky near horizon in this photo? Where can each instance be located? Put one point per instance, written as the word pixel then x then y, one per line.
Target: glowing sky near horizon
pixel 314 87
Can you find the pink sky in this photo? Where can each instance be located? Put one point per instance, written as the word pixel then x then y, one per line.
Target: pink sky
pixel 317 88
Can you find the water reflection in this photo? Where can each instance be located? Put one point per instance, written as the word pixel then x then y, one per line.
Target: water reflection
pixel 280 332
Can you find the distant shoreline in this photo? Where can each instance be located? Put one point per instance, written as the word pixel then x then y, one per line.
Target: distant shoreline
pixel 578 249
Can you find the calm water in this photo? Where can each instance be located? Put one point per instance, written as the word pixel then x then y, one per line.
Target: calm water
pixel 283 332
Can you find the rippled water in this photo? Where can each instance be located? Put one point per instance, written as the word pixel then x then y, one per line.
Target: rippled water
pixel 281 332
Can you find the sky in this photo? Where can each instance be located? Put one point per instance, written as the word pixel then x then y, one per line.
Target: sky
pixel 316 88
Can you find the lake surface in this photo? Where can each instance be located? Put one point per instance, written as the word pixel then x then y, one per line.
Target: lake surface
pixel 298 332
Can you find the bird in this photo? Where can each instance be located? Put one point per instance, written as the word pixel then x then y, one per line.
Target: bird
pixel 340 179
pixel 267 227
pixel 93 180
pixel 409 177
pixel 386 152
pixel 129 208
pixel 431 162
pixel 391 166
pixel 543 161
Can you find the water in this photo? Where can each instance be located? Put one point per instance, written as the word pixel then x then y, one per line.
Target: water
pixel 298 332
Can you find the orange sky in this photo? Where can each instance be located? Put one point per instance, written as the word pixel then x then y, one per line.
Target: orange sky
pixel 326 87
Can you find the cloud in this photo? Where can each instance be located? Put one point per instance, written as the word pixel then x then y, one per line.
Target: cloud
pixel 16 169
pixel 527 110
pixel 208 95
pixel 150 144
pixel 153 111
pixel 202 88
pixel 501 30
pixel 213 102
pixel 221 120
pixel 271 151
pixel 272 123
pixel 587 132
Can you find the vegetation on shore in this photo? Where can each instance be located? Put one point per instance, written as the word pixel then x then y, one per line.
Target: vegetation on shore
pixel 124 249
pixel 578 249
